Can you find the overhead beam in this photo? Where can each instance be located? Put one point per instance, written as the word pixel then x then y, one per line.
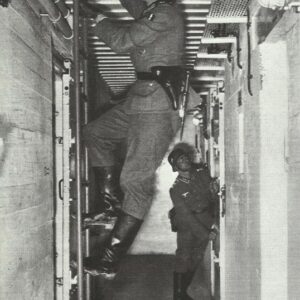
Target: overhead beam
pixel 219 40
pixel 117 72
pixel 207 78
pixel 114 66
pixel 212 56
pixel 196 18
pixel 196 25
pixel 226 20
pixel 114 61
pixel 209 68
pixel 117 57
pixel 204 86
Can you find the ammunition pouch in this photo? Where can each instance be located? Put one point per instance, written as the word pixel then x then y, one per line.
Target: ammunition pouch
pixel 171 79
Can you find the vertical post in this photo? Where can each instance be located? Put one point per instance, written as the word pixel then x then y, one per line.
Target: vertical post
pixel 212 165
pixel 59 241
pixel 78 147
pixel 212 269
pixel 66 179
pixel 62 153
pixel 86 162
pixel 222 186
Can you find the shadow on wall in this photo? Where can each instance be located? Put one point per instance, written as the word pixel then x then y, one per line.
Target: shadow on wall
pixel 5 129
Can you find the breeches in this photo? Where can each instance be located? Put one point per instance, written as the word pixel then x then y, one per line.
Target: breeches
pixel 189 253
pixel 147 135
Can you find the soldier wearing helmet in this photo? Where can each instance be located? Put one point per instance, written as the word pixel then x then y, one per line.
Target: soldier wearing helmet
pixel 192 217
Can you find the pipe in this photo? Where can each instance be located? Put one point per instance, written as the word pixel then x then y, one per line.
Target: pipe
pixel 57 16
pixel 76 65
pixel 249 75
pixel 63 8
pixel 238 51
pixel 86 160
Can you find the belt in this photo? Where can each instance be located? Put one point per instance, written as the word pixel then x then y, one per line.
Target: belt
pixel 145 76
pixel 169 77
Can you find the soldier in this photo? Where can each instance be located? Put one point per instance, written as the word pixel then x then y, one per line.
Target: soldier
pixel 192 218
pixel 146 120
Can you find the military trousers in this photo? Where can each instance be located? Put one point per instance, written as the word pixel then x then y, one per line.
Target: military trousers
pixel 189 252
pixel 147 136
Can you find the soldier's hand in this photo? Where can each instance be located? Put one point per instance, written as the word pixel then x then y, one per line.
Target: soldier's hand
pixel 213 233
pixel 212 236
pixel 99 18
pixel 214 186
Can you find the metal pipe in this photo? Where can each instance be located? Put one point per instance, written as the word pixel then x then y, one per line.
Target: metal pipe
pixel 56 16
pixel 238 51
pixel 249 76
pixel 78 148
pixel 86 160
pixel 63 8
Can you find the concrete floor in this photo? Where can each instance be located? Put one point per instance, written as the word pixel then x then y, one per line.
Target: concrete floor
pixel 141 277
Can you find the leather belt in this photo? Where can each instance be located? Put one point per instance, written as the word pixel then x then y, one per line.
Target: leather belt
pixel 170 79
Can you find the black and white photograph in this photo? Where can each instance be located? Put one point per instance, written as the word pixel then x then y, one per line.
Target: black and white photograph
pixel 149 150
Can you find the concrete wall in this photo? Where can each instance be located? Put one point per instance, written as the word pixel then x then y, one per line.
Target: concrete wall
pixel 26 164
pixel 242 162
pixel 291 29
pixel 262 211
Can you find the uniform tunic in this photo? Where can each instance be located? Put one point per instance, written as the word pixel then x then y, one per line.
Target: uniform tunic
pixel 146 120
pixel 192 200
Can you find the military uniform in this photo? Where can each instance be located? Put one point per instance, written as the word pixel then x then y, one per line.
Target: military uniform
pixel 145 120
pixel 192 201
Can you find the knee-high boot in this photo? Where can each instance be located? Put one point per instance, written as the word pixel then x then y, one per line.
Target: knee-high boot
pixel 186 281
pixel 181 282
pixel 108 202
pixel 177 286
pixel 122 236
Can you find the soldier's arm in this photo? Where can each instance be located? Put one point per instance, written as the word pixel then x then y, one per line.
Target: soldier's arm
pixel 122 38
pixel 185 218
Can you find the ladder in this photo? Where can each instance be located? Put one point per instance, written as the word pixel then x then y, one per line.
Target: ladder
pixel 71 167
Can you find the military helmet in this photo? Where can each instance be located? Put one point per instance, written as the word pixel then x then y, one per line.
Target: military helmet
pixel 174 155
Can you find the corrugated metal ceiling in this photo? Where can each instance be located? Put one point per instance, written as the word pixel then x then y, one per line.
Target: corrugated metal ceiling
pixel 117 69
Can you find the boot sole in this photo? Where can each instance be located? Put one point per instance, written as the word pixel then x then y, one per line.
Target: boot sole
pixel 107 276
pixel 97 273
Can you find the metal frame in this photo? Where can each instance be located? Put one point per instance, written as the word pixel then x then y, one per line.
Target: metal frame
pixel 62 216
pixel 221 97
pixel 76 54
pixel 249 71
pixel 86 161
pixel 57 14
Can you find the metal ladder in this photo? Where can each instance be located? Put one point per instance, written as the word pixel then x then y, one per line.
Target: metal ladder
pixel 72 176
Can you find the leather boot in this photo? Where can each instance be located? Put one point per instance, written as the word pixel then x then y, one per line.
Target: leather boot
pixel 121 238
pixel 186 281
pixel 181 282
pixel 108 202
pixel 177 288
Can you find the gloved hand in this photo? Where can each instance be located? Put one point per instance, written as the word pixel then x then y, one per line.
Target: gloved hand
pixel 99 18
pixel 213 232
pixel 214 186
